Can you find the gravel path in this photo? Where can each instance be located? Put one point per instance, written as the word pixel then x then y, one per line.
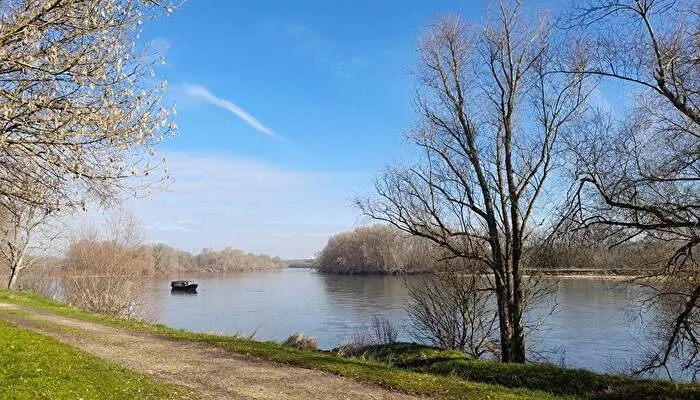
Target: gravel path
pixel 213 372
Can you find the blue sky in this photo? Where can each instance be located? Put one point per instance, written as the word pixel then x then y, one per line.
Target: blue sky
pixel 286 110
pixel 328 77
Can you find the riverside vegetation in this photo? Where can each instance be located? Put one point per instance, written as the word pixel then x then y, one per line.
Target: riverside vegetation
pixel 118 248
pixel 382 249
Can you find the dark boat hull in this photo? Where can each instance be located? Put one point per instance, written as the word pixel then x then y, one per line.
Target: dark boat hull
pixel 189 288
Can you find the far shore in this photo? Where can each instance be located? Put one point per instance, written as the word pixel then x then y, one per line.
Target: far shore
pixel 581 274
pixel 606 277
pixel 592 274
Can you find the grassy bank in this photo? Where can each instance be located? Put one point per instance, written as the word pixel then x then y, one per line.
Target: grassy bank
pixel 37 367
pixel 544 377
pixel 413 369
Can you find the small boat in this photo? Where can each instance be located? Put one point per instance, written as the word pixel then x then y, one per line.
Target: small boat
pixel 184 286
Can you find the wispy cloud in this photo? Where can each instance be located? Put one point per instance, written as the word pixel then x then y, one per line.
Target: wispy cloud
pixel 204 94
pixel 220 200
pixel 305 40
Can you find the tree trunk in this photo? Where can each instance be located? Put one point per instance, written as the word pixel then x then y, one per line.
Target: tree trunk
pixel 13 278
pixel 512 332
pixel 512 340
pixel 15 267
pixel 517 312
pixel 517 343
pixel 504 325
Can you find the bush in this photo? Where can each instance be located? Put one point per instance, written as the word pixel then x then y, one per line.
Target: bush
pixel 453 310
pixel 103 267
pixel 383 331
pixel 300 341
pixel 380 332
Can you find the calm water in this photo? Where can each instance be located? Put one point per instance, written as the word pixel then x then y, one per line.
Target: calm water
pixel 593 326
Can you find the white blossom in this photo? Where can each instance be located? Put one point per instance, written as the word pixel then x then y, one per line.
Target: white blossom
pixel 69 121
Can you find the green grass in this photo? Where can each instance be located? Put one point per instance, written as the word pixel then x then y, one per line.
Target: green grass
pixel 34 366
pixel 545 377
pixel 413 369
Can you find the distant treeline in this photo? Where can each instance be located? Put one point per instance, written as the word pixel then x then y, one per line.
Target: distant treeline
pixel 385 250
pixel 168 259
pixel 161 258
pixel 633 256
pixel 300 263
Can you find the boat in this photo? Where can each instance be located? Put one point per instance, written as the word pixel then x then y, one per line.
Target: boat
pixel 184 286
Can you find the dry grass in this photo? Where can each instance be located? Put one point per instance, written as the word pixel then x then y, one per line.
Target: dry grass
pixel 300 341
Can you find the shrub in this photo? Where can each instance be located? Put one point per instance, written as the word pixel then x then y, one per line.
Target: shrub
pixel 300 341
pixel 383 331
pixel 453 310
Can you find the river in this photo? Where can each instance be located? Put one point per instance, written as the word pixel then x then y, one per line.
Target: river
pixel 594 325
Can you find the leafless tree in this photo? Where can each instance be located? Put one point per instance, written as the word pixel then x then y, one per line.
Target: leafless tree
pixel 166 259
pixel 491 115
pixel 103 268
pixel 80 114
pixel 454 310
pixel 638 169
pixel 23 235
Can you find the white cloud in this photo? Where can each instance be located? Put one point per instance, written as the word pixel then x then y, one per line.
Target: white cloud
pixel 203 93
pixel 217 201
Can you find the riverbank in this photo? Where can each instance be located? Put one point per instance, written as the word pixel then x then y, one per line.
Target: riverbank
pixel 577 383
pixel 563 273
pixel 421 371
pixel 593 273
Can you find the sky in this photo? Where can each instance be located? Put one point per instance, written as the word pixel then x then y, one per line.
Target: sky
pixel 286 111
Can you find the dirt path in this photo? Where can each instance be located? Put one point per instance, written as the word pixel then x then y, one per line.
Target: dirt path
pixel 213 372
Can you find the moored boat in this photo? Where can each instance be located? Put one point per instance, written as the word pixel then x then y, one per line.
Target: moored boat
pixel 184 286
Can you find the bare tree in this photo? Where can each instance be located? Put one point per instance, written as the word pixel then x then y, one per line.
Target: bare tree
pixel 80 115
pixel 103 269
pixel 491 116
pixel 454 310
pixel 22 236
pixel 638 170
pixel 166 259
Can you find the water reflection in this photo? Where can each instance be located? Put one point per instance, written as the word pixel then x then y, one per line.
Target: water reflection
pixel 352 300
pixel 594 324
pixel 182 293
